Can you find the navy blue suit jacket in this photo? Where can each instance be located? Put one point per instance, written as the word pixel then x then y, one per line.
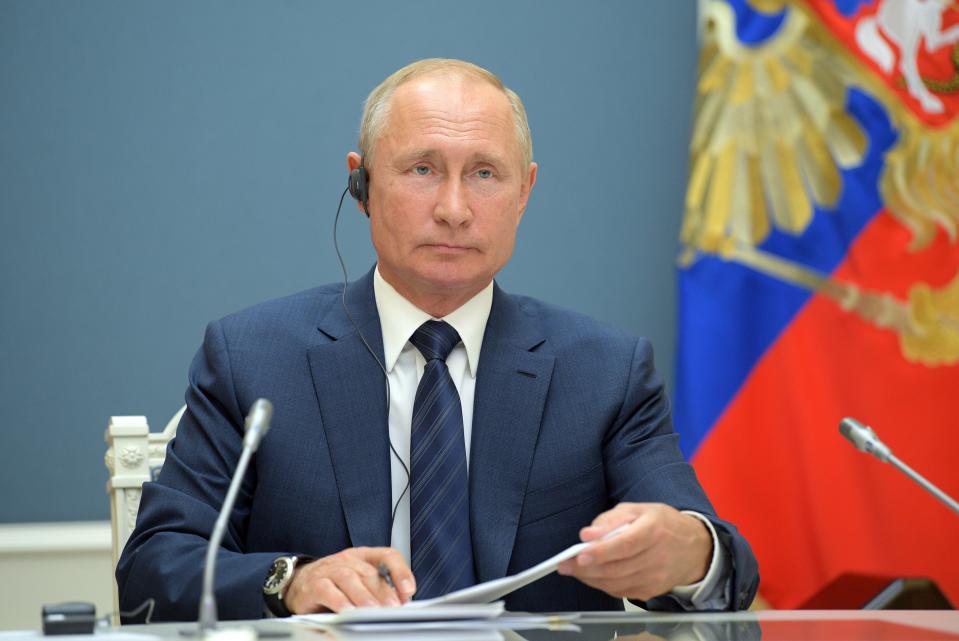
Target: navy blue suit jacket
pixel 569 419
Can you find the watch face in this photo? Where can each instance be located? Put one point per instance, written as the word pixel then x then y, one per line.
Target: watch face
pixel 278 577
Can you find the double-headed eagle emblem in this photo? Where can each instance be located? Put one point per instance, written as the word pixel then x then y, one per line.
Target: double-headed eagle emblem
pixel 772 135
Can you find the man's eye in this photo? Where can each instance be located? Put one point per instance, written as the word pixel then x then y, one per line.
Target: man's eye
pixel 484 173
pixel 422 170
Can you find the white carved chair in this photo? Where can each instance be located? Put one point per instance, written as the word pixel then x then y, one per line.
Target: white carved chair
pixel 134 456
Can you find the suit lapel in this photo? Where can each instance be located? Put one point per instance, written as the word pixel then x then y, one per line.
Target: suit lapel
pixel 511 387
pixel 350 388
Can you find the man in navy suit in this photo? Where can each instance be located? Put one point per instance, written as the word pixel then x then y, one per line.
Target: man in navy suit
pixel 564 433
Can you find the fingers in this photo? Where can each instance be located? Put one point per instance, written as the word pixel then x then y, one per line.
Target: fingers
pixel 636 537
pixel 609 520
pixel 612 556
pixel 345 587
pixel 400 572
pixel 642 584
pixel 637 524
pixel 625 558
pixel 642 576
pixel 350 579
pixel 660 549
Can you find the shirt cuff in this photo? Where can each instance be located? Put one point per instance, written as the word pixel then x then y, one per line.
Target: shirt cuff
pixel 710 593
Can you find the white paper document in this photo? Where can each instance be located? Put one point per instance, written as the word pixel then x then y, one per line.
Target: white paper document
pixel 440 612
pixel 498 588
pixel 427 624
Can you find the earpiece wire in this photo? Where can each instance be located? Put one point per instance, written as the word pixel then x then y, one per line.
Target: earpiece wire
pixel 386 376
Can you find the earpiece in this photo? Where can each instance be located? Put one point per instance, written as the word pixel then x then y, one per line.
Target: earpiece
pixel 358 183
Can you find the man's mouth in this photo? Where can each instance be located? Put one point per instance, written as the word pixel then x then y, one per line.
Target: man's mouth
pixel 448 247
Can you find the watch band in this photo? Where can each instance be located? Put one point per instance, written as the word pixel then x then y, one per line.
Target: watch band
pixel 278 580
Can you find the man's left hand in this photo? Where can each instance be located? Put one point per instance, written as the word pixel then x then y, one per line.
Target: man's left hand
pixel 661 549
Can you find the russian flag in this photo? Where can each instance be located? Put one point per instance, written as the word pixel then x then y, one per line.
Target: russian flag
pixel 818 279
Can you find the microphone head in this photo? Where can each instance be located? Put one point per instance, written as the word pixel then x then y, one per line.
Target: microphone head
pixel 863 438
pixel 257 422
pixel 848 426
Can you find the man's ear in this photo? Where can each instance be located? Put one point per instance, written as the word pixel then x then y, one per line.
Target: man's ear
pixel 353 162
pixel 526 189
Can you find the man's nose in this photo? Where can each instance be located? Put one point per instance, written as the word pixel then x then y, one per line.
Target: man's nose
pixel 452 204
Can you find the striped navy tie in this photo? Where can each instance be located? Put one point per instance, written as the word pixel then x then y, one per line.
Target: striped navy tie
pixel 440 542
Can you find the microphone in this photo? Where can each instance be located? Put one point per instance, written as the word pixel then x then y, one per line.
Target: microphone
pixel 865 439
pixel 256 426
pixel 257 423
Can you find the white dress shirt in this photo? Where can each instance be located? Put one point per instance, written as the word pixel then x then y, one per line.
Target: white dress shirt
pixel 404 364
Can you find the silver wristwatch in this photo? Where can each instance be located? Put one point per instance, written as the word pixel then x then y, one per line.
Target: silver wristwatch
pixel 277 581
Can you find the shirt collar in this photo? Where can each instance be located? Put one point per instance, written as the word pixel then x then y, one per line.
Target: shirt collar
pixel 399 318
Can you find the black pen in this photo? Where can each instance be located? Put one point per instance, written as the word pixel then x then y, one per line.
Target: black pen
pixel 385 574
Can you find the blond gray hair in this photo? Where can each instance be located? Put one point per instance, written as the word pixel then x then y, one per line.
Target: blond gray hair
pixel 376 109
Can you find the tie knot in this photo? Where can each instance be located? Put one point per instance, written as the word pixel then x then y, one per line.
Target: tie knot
pixel 435 339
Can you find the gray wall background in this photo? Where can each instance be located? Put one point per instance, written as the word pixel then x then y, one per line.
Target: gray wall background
pixel 166 163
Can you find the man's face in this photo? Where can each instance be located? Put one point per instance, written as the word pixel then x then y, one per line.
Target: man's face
pixel 448 186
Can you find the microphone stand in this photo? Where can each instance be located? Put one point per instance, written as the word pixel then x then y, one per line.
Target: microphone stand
pixel 256 425
pixel 208 616
pixel 866 440
pixel 929 487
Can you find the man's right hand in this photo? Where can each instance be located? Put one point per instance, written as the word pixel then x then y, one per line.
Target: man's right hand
pixel 350 579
